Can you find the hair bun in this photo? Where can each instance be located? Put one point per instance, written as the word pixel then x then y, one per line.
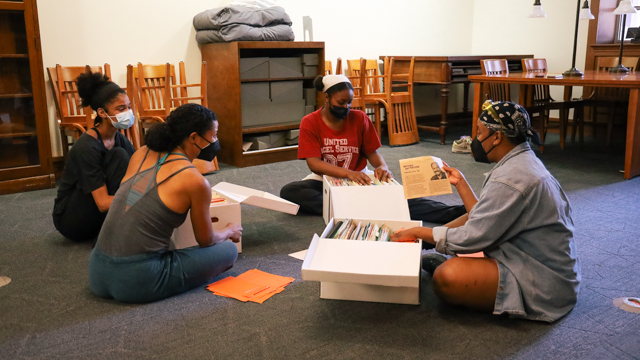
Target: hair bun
pixel 317 83
pixel 88 85
pixel 160 138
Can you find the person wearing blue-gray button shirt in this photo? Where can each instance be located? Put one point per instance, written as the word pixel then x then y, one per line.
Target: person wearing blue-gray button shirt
pixel 521 222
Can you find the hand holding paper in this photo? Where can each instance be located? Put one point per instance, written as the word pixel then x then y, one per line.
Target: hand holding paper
pixel 454 175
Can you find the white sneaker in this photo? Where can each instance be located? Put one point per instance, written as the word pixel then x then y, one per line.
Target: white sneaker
pixel 462 146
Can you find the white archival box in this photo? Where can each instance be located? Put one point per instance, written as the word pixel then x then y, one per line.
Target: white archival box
pixel 363 202
pixel 229 212
pixel 387 272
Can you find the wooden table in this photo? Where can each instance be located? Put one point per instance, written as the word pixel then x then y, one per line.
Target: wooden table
pixel 590 79
pixel 447 70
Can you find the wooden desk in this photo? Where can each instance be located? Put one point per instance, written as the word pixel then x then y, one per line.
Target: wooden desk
pixel 591 78
pixel 447 70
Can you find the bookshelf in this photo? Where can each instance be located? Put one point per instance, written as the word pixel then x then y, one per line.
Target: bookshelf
pixel 224 97
pixel 25 150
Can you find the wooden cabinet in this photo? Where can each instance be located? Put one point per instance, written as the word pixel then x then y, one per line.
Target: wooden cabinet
pixel 224 95
pixel 25 150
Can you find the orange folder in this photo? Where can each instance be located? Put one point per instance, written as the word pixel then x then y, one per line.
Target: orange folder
pixel 253 285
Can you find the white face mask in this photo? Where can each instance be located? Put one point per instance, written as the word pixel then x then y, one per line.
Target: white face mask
pixel 124 120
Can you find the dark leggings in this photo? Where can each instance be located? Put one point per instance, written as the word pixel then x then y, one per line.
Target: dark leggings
pixel 308 194
pixel 81 219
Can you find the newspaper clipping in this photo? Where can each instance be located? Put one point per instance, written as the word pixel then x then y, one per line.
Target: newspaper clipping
pixel 423 176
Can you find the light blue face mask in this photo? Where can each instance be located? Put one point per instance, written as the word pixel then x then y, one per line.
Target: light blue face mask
pixel 124 120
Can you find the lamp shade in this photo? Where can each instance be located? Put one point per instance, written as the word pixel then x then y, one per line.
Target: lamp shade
pixel 537 11
pixel 625 7
pixel 585 12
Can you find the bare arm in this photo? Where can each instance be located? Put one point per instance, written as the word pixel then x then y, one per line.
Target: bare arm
pixel 382 170
pixel 201 219
pixel 102 198
pixel 457 222
pixel 469 198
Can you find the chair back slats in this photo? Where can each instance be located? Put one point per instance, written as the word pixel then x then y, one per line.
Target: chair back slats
pixel 604 63
pixel 327 67
pixel 541 93
pixel 156 90
pixel 372 82
pixel 496 91
pixel 401 119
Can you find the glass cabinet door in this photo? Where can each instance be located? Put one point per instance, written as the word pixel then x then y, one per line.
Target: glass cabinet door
pixel 18 135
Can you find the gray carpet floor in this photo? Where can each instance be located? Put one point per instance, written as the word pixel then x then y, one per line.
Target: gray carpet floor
pixel 48 311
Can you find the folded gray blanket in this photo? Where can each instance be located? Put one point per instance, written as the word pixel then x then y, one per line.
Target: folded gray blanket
pixel 241 32
pixel 215 19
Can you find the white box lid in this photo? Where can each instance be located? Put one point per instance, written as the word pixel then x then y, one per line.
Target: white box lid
pixel 363 262
pixel 257 198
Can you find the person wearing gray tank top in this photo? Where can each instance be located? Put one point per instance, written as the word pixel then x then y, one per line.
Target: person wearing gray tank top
pixel 131 261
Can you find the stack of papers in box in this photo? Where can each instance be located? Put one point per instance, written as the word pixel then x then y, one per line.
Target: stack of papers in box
pixel 254 285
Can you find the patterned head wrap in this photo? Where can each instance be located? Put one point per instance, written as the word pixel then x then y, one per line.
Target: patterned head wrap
pixel 509 118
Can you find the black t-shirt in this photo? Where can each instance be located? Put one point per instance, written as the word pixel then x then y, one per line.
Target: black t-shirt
pixel 84 168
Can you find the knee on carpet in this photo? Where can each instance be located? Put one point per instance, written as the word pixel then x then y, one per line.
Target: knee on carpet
pixel 446 277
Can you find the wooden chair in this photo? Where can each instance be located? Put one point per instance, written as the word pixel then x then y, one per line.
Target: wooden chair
pixel 373 96
pixel 541 97
pixel 74 119
pixel 496 91
pixel 156 93
pixel 358 92
pixel 502 92
pixel 327 67
pixel 610 98
pixel 401 117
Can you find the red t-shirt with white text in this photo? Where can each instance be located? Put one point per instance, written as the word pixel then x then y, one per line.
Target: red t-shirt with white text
pixel 347 147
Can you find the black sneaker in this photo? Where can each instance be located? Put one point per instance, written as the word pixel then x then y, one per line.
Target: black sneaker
pixel 431 261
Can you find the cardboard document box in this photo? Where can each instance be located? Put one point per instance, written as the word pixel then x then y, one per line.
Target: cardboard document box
pixel 386 272
pixel 254 68
pixel 257 92
pixel 310 97
pixel 285 67
pixel 258 142
pixel 309 70
pixel 222 214
pixel 364 202
pixel 257 114
pixel 286 90
pixel 310 59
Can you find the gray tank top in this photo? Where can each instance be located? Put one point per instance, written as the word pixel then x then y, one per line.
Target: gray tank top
pixel 138 222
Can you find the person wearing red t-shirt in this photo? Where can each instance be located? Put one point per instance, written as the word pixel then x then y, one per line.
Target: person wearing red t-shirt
pixel 338 142
pixel 335 141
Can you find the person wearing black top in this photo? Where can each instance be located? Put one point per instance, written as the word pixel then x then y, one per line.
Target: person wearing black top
pixel 96 162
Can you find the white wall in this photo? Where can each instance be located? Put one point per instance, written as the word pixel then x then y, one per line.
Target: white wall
pixel 122 32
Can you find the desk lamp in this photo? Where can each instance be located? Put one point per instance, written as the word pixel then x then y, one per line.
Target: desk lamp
pixel 624 8
pixel 584 14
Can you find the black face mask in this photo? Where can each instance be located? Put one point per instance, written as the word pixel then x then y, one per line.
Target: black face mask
pixel 209 152
pixel 339 112
pixel 478 152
